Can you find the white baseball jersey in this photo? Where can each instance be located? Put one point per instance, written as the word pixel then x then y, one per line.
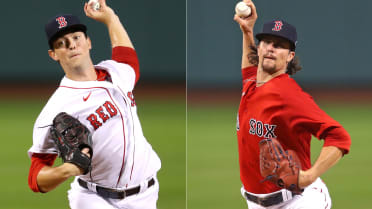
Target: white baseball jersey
pixel 122 157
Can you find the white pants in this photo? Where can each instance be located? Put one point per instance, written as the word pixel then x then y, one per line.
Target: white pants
pixel 315 196
pixel 81 198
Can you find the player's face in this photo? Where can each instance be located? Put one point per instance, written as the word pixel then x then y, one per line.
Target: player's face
pixel 71 50
pixel 274 54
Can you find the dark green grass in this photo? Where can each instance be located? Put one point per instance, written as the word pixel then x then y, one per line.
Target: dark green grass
pixel 212 158
pixel 163 123
pixel 213 170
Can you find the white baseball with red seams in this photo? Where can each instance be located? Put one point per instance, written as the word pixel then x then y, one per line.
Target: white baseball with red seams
pixel 242 9
pixel 122 157
pixel 95 4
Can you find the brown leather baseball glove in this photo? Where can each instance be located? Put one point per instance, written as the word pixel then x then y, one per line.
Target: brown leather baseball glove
pixel 71 137
pixel 279 166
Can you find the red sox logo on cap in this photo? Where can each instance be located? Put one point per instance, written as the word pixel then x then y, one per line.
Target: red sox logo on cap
pixel 61 21
pixel 278 25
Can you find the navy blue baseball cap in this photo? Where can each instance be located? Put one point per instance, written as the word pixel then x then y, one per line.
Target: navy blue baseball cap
pixel 62 24
pixel 281 29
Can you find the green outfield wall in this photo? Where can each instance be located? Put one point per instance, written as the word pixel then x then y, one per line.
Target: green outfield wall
pixel 156 28
pixel 333 40
pixel 333 43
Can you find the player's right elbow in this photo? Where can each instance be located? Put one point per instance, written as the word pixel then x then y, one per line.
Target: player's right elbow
pixel 35 185
pixel 43 189
pixel 34 189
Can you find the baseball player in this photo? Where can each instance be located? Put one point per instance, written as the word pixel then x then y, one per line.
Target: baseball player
pixel 123 164
pixel 273 106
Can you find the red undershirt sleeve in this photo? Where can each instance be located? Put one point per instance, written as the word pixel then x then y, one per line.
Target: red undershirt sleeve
pixel 248 72
pixel 38 161
pixel 128 56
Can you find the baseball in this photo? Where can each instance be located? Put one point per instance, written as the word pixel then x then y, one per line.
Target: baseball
pixel 242 10
pixel 95 4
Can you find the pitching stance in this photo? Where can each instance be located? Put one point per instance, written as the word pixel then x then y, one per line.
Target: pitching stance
pixel 91 121
pixel 276 121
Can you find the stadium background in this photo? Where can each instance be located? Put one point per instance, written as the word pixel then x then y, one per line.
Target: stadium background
pixel 202 171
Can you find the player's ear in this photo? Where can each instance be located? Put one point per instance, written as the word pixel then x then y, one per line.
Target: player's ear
pixel 53 55
pixel 291 55
pixel 89 42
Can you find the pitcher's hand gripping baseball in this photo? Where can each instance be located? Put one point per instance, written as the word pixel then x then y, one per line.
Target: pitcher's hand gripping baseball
pixel 247 23
pixel 71 137
pixel 279 166
pixel 103 13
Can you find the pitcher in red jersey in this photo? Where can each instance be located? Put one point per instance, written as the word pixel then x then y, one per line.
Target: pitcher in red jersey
pixel 273 105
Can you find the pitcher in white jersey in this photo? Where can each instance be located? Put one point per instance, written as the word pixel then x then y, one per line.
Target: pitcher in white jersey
pixel 124 165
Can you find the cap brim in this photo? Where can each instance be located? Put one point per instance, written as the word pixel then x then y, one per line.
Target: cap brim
pixel 69 29
pixel 260 36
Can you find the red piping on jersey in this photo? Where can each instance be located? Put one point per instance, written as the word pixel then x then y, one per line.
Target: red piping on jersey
pixel 121 116
pixel 325 195
pixel 325 198
pixel 128 56
pixel 134 147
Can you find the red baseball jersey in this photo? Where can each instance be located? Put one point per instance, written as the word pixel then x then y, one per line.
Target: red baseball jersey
pixel 280 109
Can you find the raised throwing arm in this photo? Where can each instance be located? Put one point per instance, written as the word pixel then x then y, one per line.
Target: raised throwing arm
pixel 246 26
pixel 117 32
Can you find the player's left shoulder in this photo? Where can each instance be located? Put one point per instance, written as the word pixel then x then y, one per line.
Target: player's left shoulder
pixel 287 84
pixel 121 74
pixel 288 89
pixel 114 67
